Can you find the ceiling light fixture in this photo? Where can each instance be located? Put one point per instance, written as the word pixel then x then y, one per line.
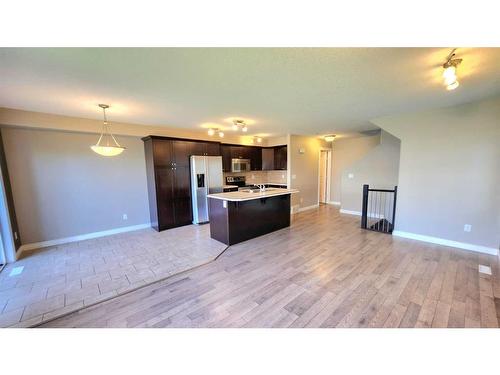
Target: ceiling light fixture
pixel 257 139
pixel 107 144
pixel 212 131
pixel 450 71
pixel 330 138
pixel 240 124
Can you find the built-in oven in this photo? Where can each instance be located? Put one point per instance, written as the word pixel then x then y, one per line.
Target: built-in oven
pixel 240 165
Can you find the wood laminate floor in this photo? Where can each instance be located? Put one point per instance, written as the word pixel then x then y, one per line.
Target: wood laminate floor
pixel 323 271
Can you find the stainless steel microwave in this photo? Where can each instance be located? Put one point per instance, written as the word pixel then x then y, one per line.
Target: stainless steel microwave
pixel 240 165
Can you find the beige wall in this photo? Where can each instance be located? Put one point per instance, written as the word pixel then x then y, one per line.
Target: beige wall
pixel 61 188
pixel 303 169
pixel 449 172
pixel 346 151
pixel 378 168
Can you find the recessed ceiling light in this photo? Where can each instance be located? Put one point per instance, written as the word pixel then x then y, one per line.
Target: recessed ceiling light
pixel 211 131
pixel 221 134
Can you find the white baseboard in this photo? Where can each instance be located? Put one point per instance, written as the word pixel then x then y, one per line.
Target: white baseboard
pixel 445 242
pixel 349 212
pixel 335 203
pixel 308 207
pixel 80 237
pixel 358 213
pixel 296 209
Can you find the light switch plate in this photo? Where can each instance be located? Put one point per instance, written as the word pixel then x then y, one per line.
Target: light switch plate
pixel 485 269
pixel 125 217
pixel 350 175
pixel 467 228
pixel 294 176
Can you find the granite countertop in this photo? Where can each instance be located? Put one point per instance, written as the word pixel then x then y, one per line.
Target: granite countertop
pixel 238 196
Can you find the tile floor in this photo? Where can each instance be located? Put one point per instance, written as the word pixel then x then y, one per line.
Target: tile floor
pixel 65 278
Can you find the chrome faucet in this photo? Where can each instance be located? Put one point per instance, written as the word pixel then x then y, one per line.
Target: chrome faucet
pixel 261 187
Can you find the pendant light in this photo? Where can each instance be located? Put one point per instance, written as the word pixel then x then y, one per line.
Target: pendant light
pixel 107 144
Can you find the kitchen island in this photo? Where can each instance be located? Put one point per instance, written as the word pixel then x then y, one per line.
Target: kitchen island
pixel 241 215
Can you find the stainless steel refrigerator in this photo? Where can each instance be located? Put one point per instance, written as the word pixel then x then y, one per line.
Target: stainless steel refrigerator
pixel 206 178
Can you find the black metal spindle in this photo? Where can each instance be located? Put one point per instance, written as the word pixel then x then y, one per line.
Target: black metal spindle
pixel 377 207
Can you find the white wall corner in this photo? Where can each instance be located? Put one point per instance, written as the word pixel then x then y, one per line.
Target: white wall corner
pixel 445 242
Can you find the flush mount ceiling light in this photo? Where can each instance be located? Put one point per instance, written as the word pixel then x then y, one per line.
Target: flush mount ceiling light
pixel 330 138
pixel 107 144
pixel 212 131
pixel 450 71
pixel 257 139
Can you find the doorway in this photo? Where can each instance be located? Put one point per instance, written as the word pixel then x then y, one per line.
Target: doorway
pixel 324 176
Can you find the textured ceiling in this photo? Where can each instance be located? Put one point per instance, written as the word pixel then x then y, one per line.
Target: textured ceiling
pixel 281 90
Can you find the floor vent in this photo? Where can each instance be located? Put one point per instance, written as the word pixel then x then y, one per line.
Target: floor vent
pixel 484 269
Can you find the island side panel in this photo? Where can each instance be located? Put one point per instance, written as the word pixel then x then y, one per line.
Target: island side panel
pixel 218 216
pixel 256 217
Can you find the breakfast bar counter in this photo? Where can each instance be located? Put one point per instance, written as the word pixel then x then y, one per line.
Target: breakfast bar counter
pixel 241 215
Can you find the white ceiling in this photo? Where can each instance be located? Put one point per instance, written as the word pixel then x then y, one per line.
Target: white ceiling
pixel 283 90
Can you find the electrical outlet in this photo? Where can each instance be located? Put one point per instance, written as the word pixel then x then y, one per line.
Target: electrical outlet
pixel 282 176
pixel 467 228
pixel 350 175
pixel 125 217
pixel 253 177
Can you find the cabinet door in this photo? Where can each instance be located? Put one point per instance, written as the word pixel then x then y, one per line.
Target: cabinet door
pixel 164 177
pixel 280 157
pixel 162 153
pixel 182 195
pixel 267 159
pixel 181 151
pixel 213 149
pixel 226 157
pixel 198 148
pixel 256 159
pixel 237 152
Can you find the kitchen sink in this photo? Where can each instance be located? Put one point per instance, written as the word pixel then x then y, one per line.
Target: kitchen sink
pixel 258 190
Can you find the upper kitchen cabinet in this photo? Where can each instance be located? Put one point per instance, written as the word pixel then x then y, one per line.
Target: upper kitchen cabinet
pixel 225 151
pixel 267 159
pixel 256 158
pixel 280 157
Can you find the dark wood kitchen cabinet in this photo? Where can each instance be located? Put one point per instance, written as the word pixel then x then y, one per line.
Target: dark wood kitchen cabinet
pixel 168 175
pixel 225 151
pixel 256 158
pixel 280 157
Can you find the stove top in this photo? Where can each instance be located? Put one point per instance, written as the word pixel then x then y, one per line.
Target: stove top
pixel 236 180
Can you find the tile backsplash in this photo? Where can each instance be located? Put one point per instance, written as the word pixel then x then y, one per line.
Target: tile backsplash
pixel 259 177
